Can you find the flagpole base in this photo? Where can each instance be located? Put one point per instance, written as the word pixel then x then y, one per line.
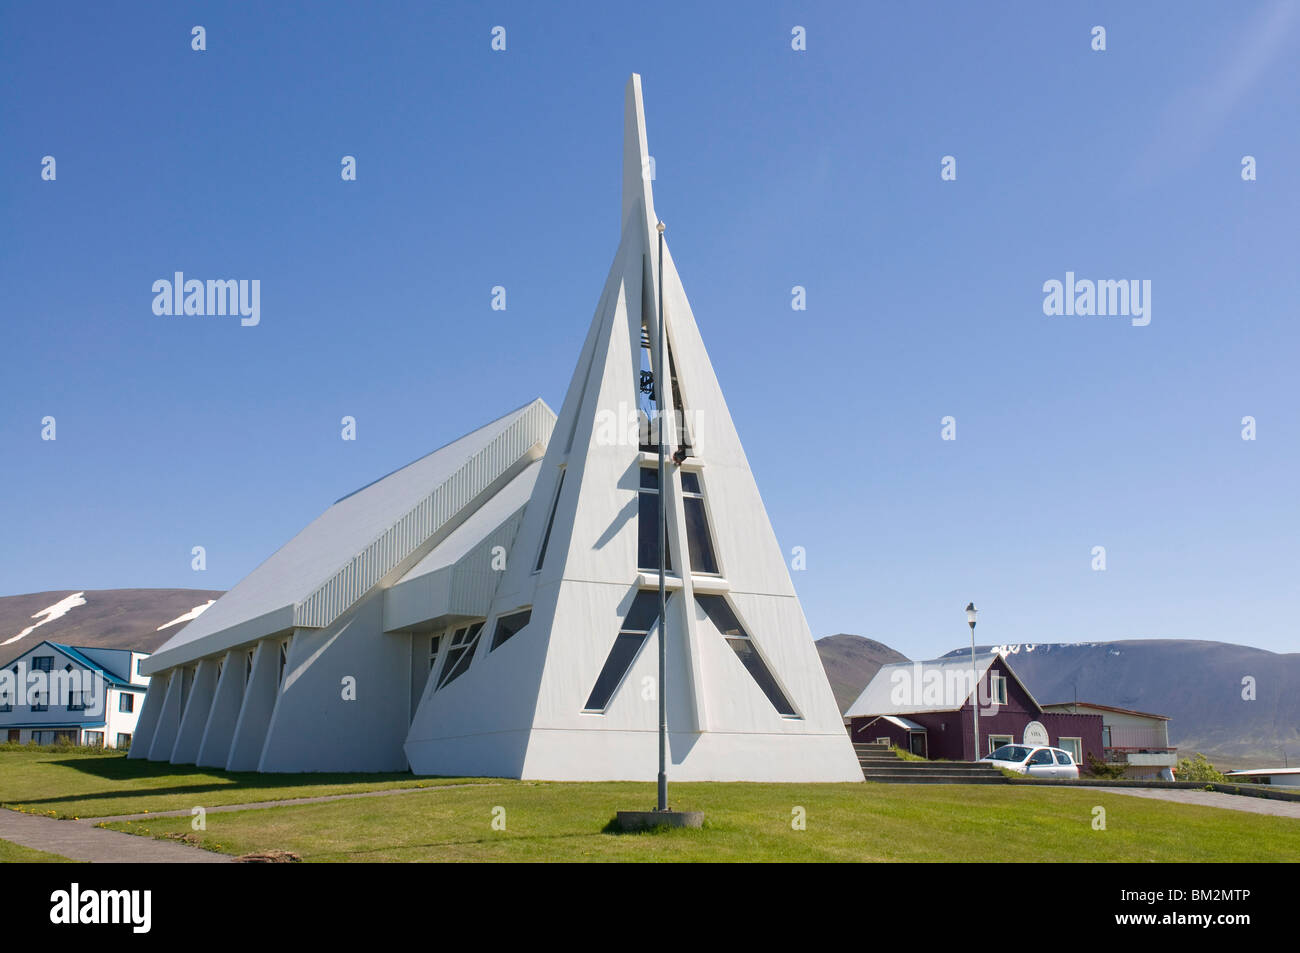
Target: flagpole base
pixel 650 820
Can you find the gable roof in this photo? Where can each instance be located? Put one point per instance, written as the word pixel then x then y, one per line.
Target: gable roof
pixel 115 679
pixel 900 687
pixel 342 553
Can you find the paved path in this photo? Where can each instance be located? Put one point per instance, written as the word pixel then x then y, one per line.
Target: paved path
pixel 287 802
pixel 1231 802
pixel 96 845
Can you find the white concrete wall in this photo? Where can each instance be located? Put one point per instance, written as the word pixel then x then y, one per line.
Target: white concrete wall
pixel 314 728
pixel 227 700
pixel 197 709
pixel 258 704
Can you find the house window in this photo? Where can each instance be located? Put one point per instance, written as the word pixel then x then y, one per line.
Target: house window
pixel 75 701
pixel 138 663
pixel 697 525
pixel 509 625
pixel 641 618
pixel 997 741
pixel 124 739
pixel 39 700
pixel 997 688
pixel 94 739
pixel 1074 746
pixel 284 658
pixel 435 644
pixel 126 702
pixel 43 663
pixel 460 653
pixel 647 543
pixel 550 522
pixel 720 612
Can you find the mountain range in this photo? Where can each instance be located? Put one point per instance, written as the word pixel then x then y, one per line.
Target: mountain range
pixel 1238 705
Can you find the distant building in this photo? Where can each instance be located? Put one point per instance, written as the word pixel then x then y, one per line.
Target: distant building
pixel 928 708
pixel 55 693
pixel 1283 777
pixel 1136 739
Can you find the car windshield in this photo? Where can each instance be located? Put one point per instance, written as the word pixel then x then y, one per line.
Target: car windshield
pixel 1010 753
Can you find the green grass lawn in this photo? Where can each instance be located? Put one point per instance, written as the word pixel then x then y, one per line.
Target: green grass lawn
pixel 87 783
pixel 11 853
pixel 748 822
pixel 553 821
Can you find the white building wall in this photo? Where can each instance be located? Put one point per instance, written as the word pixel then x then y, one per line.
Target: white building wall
pixel 228 698
pixel 366 733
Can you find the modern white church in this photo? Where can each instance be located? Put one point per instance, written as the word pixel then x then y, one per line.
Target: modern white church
pixel 492 609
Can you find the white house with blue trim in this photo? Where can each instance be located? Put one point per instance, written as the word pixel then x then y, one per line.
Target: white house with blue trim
pixel 55 693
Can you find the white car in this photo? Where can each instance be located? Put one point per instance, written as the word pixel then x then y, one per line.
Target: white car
pixel 1037 761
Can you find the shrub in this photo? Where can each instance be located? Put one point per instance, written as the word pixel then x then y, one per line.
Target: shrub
pixel 1107 770
pixel 1198 769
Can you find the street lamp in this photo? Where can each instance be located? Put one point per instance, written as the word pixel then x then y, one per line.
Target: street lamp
pixel 971 613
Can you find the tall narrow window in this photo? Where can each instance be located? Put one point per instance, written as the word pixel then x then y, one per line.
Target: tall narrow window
pixel 435 644
pixel 722 616
pixel 647 548
pixel 550 522
pixel 460 653
pixel 509 625
pixel 997 688
pixel 697 525
pixel 284 657
pixel 641 619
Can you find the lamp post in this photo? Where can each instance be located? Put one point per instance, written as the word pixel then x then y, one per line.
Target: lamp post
pixel 971 612
pixel 661 377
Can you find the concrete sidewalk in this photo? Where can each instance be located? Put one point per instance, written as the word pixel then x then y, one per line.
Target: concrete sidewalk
pixel 1230 802
pixel 96 845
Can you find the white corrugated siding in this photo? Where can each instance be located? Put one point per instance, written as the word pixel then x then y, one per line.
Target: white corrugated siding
pixel 400 540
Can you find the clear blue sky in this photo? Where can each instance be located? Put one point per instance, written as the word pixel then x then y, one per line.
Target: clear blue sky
pixel 774 168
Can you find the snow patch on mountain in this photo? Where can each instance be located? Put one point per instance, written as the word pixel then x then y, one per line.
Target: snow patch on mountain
pixel 56 611
pixel 192 614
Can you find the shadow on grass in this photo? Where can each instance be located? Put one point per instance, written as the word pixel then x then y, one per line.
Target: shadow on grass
pixel 120 769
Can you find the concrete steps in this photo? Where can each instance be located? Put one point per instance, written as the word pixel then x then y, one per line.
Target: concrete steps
pixel 880 764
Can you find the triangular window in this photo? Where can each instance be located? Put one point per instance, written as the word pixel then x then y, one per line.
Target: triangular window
pixel 550 522
pixel 724 618
pixel 636 628
pixel 460 653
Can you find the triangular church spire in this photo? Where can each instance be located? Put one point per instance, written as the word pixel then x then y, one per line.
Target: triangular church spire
pixel 638 199
pixel 573 694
